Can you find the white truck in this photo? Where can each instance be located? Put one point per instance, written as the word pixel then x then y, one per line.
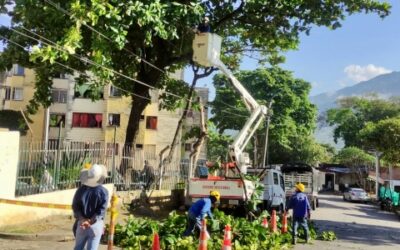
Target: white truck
pixel 233 188
pixel 300 172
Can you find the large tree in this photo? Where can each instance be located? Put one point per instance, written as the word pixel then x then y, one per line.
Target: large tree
pixel 384 136
pixel 293 116
pixel 133 42
pixel 355 112
pixel 357 160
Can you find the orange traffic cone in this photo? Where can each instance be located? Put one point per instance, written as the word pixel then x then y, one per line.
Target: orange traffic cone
pixel 284 223
pixel 227 244
pixel 156 242
pixel 203 235
pixel 264 222
pixel 273 222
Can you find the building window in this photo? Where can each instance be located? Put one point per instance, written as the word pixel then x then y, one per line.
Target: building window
pixel 114 119
pixel 115 92
pixel 18 70
pixel 87 120
pixel 189 113
pixel 142 117
pixel 151 122
pixel 17 94
pixel 56 120
pixel 59 95
pixel 8 93
pixel 188 147
pixel 87 91
pixel 111 149
pixel 60 75
pixel 139 146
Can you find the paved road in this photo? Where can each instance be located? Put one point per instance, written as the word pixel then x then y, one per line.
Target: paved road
pixel 357 226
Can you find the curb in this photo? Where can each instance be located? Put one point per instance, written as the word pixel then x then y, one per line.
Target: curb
pixel 37 237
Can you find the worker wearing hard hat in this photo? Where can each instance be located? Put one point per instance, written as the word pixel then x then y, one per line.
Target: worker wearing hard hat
pixel 199 210
pixel 301 211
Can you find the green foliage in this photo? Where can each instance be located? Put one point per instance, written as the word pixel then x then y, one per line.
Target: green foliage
pixel 293 115
pixel 256 196
pixel 384 136
pixel 355 112
pixel 217 144
pixel 157 32
pixel 137 233
pixel 327 236
pixel 354 157
pixel 13 120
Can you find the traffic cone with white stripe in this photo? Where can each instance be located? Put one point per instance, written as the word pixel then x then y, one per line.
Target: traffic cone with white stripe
pixel 273 222
pixel 227 244
pixel 156 242
pixel 264 223
pixel 284 223
pixel 203 235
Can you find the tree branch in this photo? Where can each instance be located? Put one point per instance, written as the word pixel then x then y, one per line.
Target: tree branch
pixel 230 15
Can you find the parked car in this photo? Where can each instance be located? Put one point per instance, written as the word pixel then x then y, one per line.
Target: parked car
pixel 356 194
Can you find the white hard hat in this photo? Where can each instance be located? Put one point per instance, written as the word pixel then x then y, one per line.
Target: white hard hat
pixel 94 175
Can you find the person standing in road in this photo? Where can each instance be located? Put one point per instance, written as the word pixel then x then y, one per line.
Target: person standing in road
pixel 301 212
pixel 149 175
pixel 89 206
pixel 199 210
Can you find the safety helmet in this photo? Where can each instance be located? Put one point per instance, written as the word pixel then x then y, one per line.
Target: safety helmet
pixel 215 193
pixel 300 187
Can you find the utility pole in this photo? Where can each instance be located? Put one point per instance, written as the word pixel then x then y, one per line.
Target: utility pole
pixel 265 158
pixel 377 157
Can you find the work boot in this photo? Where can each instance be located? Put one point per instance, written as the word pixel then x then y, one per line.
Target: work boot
pixel 294 240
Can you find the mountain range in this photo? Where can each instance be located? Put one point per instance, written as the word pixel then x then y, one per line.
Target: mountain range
pixel 384 86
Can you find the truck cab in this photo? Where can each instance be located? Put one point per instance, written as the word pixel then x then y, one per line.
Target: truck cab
pixel 274 187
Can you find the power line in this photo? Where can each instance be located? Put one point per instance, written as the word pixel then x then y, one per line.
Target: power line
pixel 57 6
pixel 56 46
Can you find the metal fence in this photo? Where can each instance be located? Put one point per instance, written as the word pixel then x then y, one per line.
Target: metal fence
pixel 129 168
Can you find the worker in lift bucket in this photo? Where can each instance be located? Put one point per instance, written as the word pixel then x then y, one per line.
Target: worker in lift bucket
pixel 204 27
pixel 301 212
pixel 199 210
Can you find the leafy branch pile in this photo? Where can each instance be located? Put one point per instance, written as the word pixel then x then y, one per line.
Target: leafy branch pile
pixel 137 233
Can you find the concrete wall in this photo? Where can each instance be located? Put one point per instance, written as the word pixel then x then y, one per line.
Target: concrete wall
pixel 16 214
pixel 9 147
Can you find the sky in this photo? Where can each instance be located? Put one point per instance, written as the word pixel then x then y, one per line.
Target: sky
pixel 364 47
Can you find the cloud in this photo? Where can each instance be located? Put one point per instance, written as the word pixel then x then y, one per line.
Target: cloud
pixel 359 73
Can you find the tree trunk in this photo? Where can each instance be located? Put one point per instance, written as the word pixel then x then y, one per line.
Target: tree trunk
pixel 196 77
pixel 194 155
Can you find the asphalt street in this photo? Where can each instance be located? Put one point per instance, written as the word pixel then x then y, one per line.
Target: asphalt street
pixel 357 226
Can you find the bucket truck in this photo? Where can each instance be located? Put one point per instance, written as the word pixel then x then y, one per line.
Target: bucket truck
pixel 234 190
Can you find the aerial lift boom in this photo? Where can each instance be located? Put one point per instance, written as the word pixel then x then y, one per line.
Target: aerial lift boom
pixel 206 52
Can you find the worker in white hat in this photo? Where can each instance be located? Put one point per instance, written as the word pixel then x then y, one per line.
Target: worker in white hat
pixel 89 206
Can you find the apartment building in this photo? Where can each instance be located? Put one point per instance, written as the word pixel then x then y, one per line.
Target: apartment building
pixel 73 116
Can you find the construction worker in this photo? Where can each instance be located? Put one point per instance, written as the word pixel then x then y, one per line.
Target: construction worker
pixel 199 210
pixel 301 212
pixel 89 206
pixel 204 27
